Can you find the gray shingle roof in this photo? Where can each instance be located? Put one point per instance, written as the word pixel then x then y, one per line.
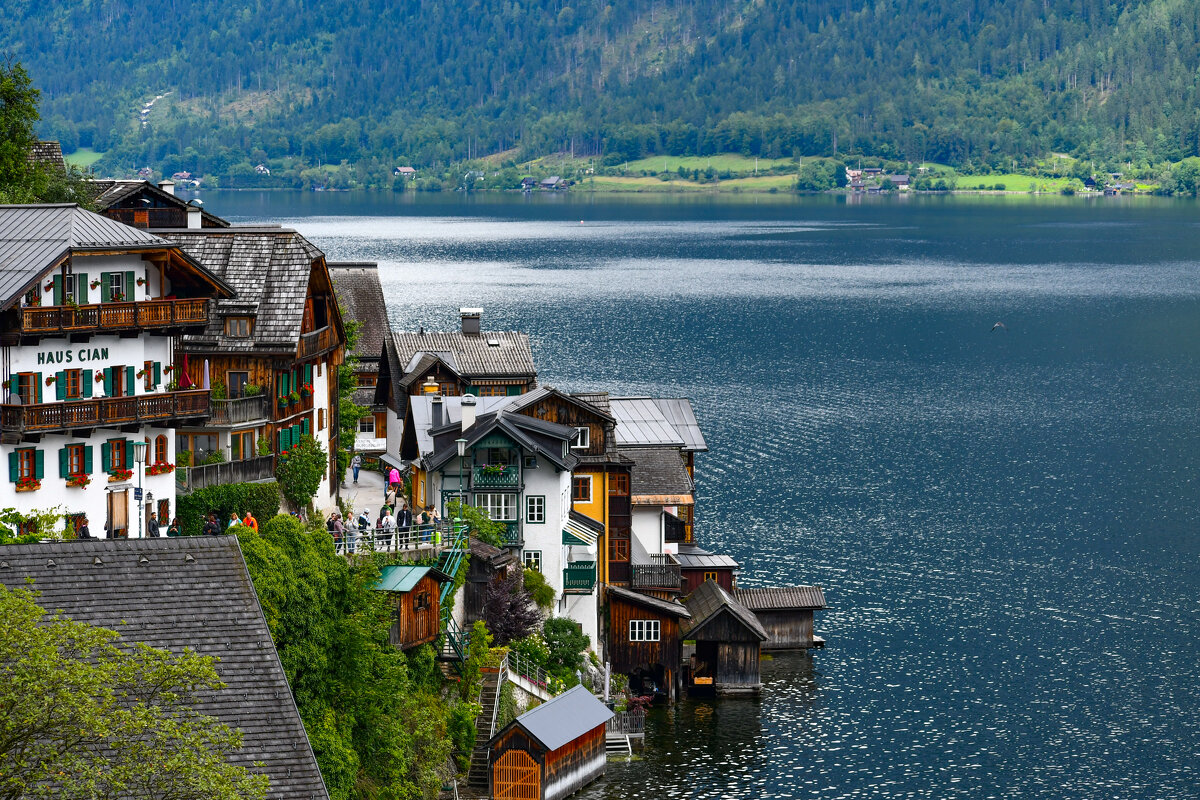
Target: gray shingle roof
pixel 691 556
pixel 673 607
pixel 657 471
pixel 269 268
pixel 35 238
pixel 361 295
pixel 473 357
pixel 184 593
pixel 781 598
pixel 564 718
pixel 48 154
pixel 708 601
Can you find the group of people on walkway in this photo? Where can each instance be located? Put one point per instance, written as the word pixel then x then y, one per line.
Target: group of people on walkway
pixel 394 526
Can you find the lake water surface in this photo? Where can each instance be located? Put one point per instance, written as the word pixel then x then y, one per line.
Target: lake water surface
pixel 1004 521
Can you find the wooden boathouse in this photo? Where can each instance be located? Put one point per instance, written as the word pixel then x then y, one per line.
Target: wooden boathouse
pixel 417 612
pixel 643 640
pixel 725 639
pixel 786 613
pixel 551 751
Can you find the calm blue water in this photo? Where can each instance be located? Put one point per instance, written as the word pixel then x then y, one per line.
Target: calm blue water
pixel 1005 522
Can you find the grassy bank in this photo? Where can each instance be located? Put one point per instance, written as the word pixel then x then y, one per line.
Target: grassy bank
pixel 83 158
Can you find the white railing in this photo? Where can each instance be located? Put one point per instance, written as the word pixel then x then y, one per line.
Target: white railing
pixel 525 668
pixel 377 540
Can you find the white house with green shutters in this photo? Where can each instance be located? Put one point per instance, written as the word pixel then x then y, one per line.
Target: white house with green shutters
pixel 90 310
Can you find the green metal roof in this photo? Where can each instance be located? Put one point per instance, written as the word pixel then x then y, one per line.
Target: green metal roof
pixel 400 578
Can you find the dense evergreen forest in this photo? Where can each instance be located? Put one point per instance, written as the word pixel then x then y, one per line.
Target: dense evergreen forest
pixel 968 83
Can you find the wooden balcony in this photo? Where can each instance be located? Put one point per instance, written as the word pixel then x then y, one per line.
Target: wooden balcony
pixel 104 412
pixel 240 411
pixel 661 572
pixel 504 478
pixel 105 317
pixel 579 577
pixel 261 468
pixel 315 343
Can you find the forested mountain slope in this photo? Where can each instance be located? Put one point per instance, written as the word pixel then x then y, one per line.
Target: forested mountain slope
pixel 430 81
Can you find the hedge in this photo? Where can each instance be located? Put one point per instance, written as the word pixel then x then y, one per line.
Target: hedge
pixel 260 499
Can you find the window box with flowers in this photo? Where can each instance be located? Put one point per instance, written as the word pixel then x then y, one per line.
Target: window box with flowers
pixel 119 474
pixel 306 390
pixel 118 297
pixel 160 469
pixel 78 481
pixel 29 484
pixel 293 398
pixel 494 470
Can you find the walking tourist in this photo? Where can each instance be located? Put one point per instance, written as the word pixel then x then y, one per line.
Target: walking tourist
pixel 152 526
pixel 211 528
pixel 250 522
pixel 356 465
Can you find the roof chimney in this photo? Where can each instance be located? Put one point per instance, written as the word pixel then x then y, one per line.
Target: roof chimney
pixel 168 187
pixel 470 319
pixel 430 386
pixel 193 218
pixel 468 411
pixel 436 421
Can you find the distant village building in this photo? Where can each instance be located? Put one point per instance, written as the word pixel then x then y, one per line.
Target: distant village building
pixel 404 172
pixel 528 182
pixel 92 395
pixel 901 182
pixel 142 204
pixel 361 297
pixel 262 169
pixel 190 593
pixel 553 183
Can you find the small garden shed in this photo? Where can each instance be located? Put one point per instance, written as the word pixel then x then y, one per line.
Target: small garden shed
pixel 551 751
pixel 415 592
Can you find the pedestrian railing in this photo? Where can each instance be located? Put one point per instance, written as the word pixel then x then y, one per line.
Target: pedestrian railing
pixel 627 722
pixel 379 540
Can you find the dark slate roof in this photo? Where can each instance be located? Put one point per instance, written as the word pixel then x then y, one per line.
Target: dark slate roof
pixel 692 556
pixel 35 238
pixel 495 556
pixel 672 607
pixel 563 719
pixel 781 598
pixel 419 367
pixel 473 357
pixel 48 154
pixel 107 193
pixel 657 471
pixel 361 295
pixel 193 593
pixel 708 601
pixel 681 414
pixel 532 435
pixel 598 400
pixel 269 268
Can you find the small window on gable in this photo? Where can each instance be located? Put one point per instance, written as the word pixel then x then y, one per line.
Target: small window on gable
pixel 533 560
pixel 238 327
pixel 582 439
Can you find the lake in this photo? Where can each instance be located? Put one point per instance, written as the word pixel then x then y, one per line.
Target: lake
pixel 1004 519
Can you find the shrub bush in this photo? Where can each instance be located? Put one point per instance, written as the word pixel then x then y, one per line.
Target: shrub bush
pixel 260 499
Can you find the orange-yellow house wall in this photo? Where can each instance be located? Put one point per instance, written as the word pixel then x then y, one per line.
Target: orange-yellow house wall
pixel 419 488
pixel 597 509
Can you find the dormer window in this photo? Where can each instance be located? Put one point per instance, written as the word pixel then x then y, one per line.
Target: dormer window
pixel 582 439
pixel 238 327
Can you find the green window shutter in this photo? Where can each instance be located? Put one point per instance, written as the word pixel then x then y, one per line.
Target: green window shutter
pixel 284 389
pixel 308 373
pixel 63 470
pixel 60 386
pixel 81 288
pixel 304 428
pixel 87 460
pixel 129 286
pixel 39 463
pixel 86 379
pixel 14 470
pixel 286 438
pixel 280 447
pixel 108 381
pixel 105 294
pixel 130 381
pixel 58 290
pixel 37 392
pixel 128 453
pixel 106 457
pixel 157 373
pixel 513 390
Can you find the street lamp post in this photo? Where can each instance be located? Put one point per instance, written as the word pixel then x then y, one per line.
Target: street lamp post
pixel 462 452
pixel 139 458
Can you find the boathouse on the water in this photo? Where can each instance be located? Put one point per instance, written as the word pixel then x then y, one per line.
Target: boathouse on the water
pixel 724 639
pixel 643 640
pixel 551 751
pixel 417 612
pixel 786 613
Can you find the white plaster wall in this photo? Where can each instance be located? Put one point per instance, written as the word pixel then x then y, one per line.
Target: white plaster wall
pixel 324 500
pixel 647 528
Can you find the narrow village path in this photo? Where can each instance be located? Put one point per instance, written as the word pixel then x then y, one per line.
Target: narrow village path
pixel 367 494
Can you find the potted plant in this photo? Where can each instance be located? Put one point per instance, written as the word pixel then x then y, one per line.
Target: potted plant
pixel 293 398
pixel 28 484
pixel 35 302
pixel 99 375
pixel 118 297
pixel 306 390
pixel 117 475
pixel 252 390
pixel 141 281
pixel 160 469
pixel 283 401
pixel 50 380
pixel 95 283
pixel 492 469
pixel 78 481
pixel 50 286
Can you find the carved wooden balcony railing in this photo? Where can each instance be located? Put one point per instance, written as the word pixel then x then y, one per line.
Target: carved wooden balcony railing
pixel 240 411
pixel 314 343
pixel 103 412
pixel 139 315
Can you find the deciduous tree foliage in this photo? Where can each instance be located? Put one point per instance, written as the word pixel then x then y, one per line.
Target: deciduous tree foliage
pixel 299 471
pixel 508 610
pixel 85 715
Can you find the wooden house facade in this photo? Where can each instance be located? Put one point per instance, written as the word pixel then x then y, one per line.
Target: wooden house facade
pixel 270 355
pixel 724 640
pixel 786 614
pixel 487 563
pixel 141 204
pixel 697 565
pixel 414 594
pixel 643 639
pixel 551 751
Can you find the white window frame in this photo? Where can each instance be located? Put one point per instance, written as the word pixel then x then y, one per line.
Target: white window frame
pixel 116 284
pixel 533 560
pixel 645 630
pixel 498 502
pixel 535 509
pixel 370 419
pixel 591 489
pixel 582 439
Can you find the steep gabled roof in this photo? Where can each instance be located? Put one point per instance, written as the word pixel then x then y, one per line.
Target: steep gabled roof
pixel 562 719
pixel 47 154
pixel 781 598
pixel 708 602
pixel 496 354
pixel 108 193
pixel 191 592
pixel 535 396
pixel 658 472
pixel 270 269
pixel 361 295
pixel 534 436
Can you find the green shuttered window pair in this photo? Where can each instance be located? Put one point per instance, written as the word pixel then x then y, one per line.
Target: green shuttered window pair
pixel 113 282
pixel 64 461
pixel 30 456
pixel 106 454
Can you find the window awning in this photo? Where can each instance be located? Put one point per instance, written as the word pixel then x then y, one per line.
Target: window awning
pixel 581 530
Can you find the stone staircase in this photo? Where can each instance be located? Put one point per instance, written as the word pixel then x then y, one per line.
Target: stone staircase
pixel 489 697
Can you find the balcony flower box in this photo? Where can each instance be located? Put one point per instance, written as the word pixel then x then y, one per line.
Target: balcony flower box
pixel 306 390
pixel 293 398
pixel 28 485
pixel 495 470
pixel 118 475
pixel 160 469
pixel 78 481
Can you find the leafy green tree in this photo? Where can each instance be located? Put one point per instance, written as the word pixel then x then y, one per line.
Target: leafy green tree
pixel 84 715
pixel 567 643
pixel 18 113
pixel 299 471
pixel 479 524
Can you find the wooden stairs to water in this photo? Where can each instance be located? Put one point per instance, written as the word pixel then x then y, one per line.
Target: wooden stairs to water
pixel 489 697
pixel 618 744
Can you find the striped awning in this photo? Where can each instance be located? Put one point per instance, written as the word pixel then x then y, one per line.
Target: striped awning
pixel 578 531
